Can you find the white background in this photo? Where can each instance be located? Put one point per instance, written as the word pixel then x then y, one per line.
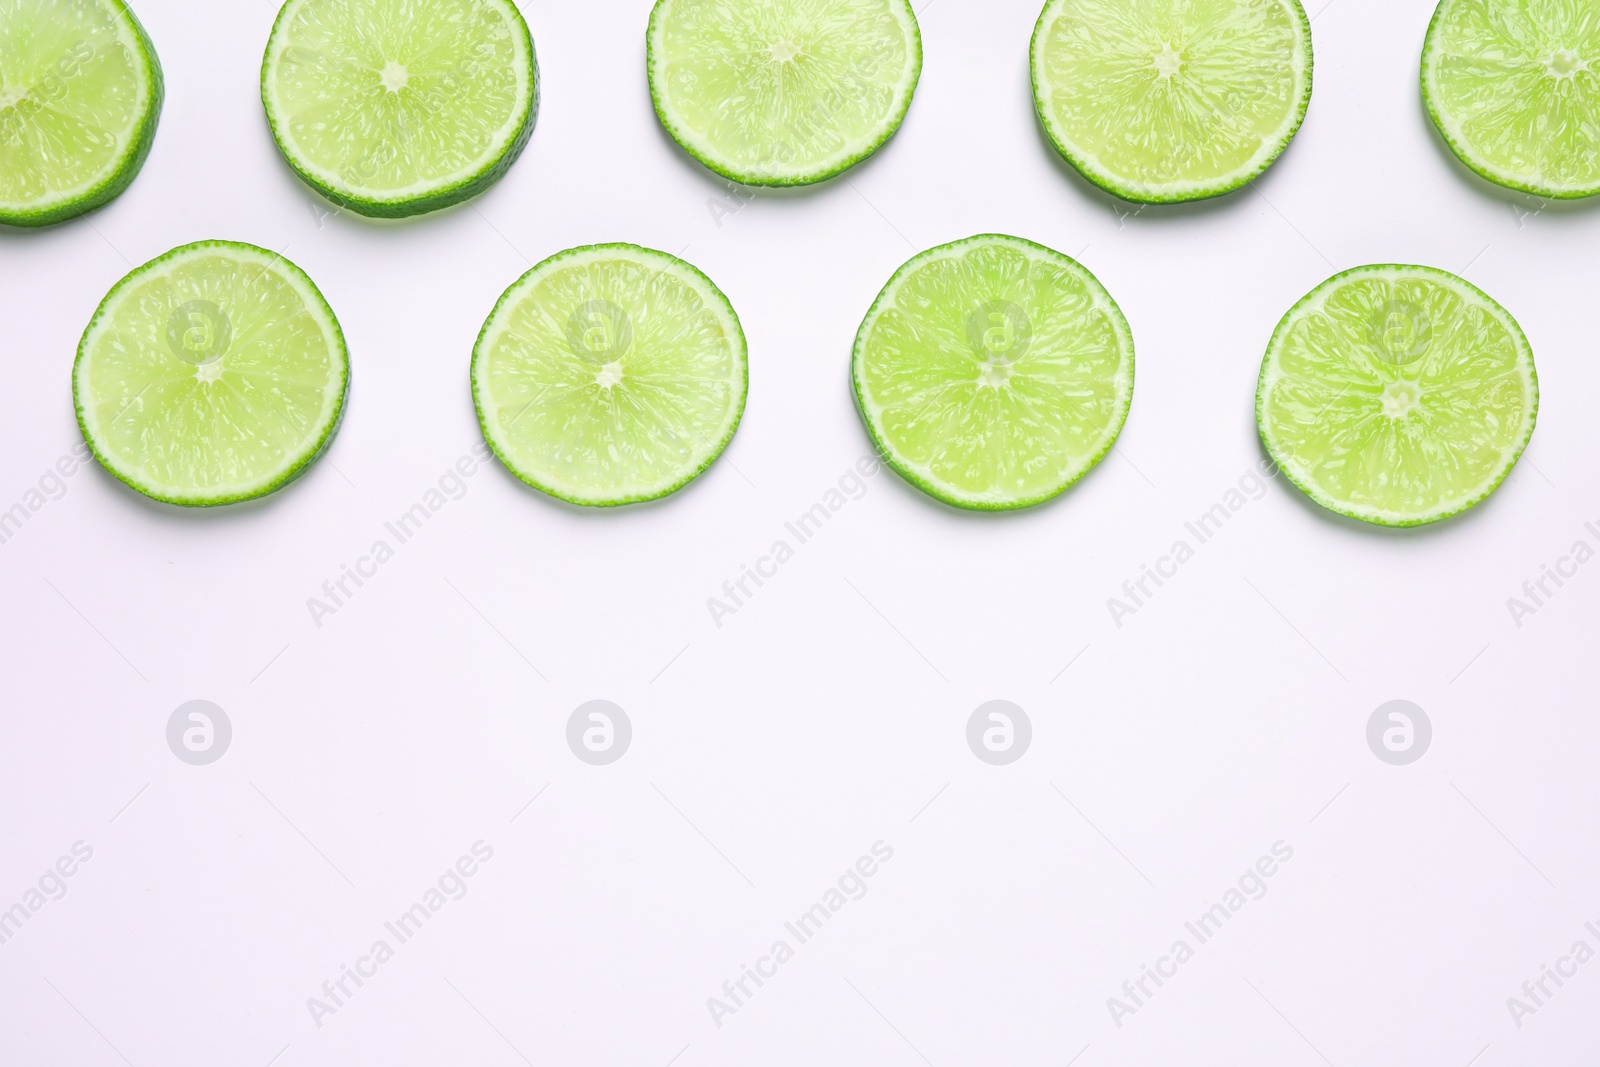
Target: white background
pixel 369 753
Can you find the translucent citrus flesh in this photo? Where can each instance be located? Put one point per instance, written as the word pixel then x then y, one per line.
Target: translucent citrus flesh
pixel 610 374
pixel 994 372
pixel 1515 88
pixel 385 99
pixel 1398 395
pixel 793 88
pixel 210 375
pixel 1171 98
pixel 74 92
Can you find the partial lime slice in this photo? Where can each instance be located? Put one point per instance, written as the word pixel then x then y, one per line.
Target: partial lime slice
pixel 393 109
pixel 782 92
pixel 1397 395
pixel 1163 100
pixel 213 374
pixel 80 95
pixel 1515 90
pixel 610 374
pixel 993 372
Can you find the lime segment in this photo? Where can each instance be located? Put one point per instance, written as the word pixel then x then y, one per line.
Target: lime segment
pixel 1515 90
pixel 783 92
pixel 393 109
pixel 610 374
pixel 1398 395
pixel 80 94
pixel 993 372
pixel 213 374
pixel 1166 100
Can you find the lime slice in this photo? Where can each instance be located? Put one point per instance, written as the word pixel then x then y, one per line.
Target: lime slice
pixel 993 372
pixel 1397 395
pixel 1515 90
pixel 610 374
pixel 783 92
pixel 213 374
pixel 1164 100
pixel 80 94
pixel 393 109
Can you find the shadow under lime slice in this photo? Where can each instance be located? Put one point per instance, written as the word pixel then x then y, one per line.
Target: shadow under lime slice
pixel 993 372
pixel 782 92
pixel 80 95
pixel 610 374
pixel 393 109
pixel 1515 90
pixel 213 374
pixel 1398 395
pixel 1166 100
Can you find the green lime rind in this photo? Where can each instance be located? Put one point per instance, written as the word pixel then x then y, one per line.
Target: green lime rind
pixel 435 197
pixel 1514 62
pixel 1102 314
pixel 316 443
pixel 1140 191
pixel 711 445
pixel 770 174
pixel 1373 368
pixel 126 167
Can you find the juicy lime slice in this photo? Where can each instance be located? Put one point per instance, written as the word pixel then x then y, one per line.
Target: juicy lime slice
pixel 1397 395
pixel 213 374
pixel 993 372
pixel 393 109
pixel 782 92
pixel 80 94
pixel 1164 100
pixel 1515 90
pixel 610 374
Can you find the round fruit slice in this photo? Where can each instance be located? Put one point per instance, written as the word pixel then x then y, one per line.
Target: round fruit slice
pixel 993 372
pixel 1157 101
pixel 1515 90
pixel 213 374
pixel 80 94
pixel 394 109
pixel 782 92
pixel 1397 395
pixel 610 374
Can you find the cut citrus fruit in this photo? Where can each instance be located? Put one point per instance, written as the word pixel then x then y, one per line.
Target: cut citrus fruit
pixel 1397 395
pixel 1515 90
pixel 1164 100
pixel 610 374
pixel 783 92
pixel 213 374
pixel 993 372
pixel 80 95
pixel 393 109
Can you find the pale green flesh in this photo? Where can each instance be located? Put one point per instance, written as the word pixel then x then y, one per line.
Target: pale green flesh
pixel 1515 88
pixel 196 406
pixel 783 90
pixel 610 374
pixel 74 91
pixel 1398 395
pixel 389 99
pixel 994 372
pixel 1170 99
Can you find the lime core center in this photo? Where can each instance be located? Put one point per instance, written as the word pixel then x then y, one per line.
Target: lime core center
pixel 609 375
pixel 393 76
pixel 1565 64
pixel 1167 62
pixel 992 375
pixel 784 51
pixel 1400 398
